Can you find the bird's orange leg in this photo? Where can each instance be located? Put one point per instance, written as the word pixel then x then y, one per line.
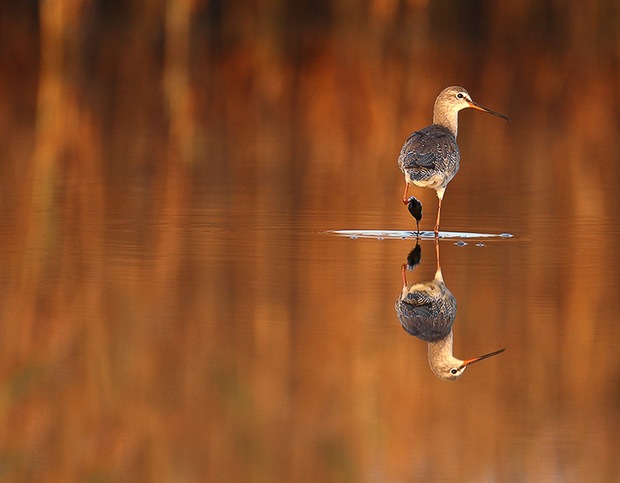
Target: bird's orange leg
pixel 405 199
pixel 403 272
pixel 440 193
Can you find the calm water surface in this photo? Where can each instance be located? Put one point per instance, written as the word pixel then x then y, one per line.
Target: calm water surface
pixel 346 393
pixel 260 347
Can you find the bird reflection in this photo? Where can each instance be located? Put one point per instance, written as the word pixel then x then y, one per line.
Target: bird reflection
pixel 427 311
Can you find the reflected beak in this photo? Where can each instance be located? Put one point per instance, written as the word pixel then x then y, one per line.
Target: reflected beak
pixel 486 356
pixel 474 105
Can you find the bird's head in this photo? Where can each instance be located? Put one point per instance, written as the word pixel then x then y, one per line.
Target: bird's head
pixel 456 98
pixel 452 368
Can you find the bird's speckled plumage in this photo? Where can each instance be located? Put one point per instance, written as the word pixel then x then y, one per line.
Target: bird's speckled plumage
pixel 430 157
pixel 427 310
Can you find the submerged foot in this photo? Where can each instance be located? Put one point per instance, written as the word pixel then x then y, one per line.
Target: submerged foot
pixel 415 208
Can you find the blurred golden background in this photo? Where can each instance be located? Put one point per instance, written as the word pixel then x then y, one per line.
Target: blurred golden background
pixel 171 310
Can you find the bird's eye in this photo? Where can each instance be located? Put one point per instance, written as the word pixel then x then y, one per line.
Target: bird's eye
pixel 453 371
pixel 459 95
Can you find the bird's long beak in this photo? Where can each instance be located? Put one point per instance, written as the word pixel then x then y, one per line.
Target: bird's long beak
pixel 485 109
pixel 486 356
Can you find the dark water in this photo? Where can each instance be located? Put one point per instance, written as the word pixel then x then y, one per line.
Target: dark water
pixel 175 308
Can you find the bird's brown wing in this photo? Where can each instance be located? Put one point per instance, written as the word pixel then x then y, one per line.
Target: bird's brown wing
pixel 427 151
pixel 420 317
pixel 420 300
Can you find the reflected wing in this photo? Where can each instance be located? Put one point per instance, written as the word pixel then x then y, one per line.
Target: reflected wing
pixel 426 317
pixel 421 302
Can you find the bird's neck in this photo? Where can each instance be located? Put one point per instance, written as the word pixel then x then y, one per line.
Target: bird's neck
pixel 442 348
pixel 447 119
pixel 440 353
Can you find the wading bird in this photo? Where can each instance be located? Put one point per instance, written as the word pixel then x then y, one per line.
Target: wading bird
pixel 430 157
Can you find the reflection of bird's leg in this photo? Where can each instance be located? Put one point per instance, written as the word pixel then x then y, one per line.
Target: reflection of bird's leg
pixel 405 200
pixel 403 273
pixel 440 193
pixel 438 274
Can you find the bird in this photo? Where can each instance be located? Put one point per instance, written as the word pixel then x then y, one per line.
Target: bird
pixel 427 311
pixel 430 157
